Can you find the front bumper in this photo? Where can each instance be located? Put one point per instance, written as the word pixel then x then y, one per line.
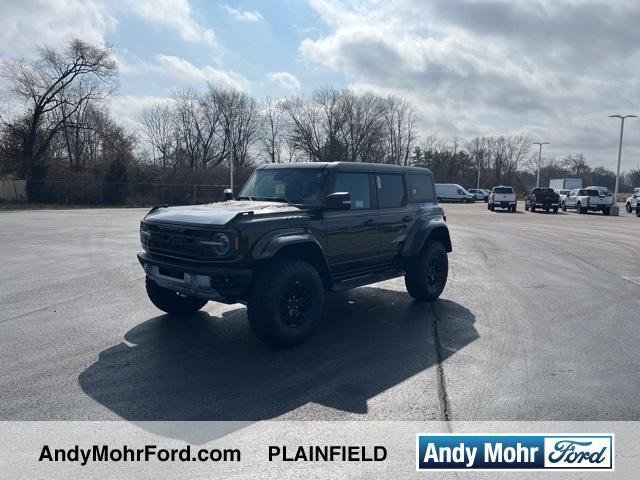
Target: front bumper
pixel 221 284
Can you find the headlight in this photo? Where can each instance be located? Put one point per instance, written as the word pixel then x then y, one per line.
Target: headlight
pixel 220 243
pixel 144 233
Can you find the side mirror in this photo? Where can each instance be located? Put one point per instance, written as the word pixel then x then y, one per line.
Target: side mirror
pixel 227 194
pixel 338 201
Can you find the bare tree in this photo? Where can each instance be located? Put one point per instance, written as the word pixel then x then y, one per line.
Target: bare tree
pixel 400 121
pixel 53 88
pixel 159 130
pixel 271 137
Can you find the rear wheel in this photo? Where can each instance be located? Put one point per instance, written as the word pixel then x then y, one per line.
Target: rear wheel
pixel 555 209
pixel 578 208
pixel 427 276
pixel 286 302
pixel 638 211
pixel 564 207
pixel 533 207
pixel 172 302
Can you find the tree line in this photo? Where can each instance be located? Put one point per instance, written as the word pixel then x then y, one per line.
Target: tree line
pixel 60 127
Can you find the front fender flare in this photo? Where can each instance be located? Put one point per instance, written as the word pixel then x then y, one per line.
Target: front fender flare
pixel 269 245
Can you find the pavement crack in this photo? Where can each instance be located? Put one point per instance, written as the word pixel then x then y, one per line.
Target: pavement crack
pixel 443 396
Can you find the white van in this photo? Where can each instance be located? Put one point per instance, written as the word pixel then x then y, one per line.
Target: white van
pixel 452 192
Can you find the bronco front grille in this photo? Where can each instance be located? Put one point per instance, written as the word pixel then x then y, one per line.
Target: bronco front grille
pixel 176 241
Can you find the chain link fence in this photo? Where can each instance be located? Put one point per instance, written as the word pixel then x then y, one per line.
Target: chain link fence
pixel 72 192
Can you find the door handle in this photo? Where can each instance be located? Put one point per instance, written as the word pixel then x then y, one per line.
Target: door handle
pixel 369 223
pixel 407 218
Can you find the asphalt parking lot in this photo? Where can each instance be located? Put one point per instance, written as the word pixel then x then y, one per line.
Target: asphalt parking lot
pixel 540 321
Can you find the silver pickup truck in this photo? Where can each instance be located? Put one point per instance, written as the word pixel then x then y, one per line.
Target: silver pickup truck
pixel 588 199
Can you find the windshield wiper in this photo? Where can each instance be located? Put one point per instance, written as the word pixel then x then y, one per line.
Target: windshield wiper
pixel 245 198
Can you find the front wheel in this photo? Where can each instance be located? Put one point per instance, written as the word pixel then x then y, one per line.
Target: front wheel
pixel 606 211
pixel 555 209
pixel 172 302
pixel 533 207
pixel 286 302
pixel 564 207
pixel 638 211
pixel 427 276
pixel 628 208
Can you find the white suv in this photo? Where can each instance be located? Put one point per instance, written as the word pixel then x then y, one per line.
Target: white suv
pixel 633 201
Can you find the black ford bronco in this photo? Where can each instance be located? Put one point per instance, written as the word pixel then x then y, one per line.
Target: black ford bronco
pixel 294 231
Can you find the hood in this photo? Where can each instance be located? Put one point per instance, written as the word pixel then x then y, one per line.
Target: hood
pixel 218 214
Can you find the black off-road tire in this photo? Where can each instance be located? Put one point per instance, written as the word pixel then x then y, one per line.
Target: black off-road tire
pixel 172 302
pixel 285 303
pixel 426 277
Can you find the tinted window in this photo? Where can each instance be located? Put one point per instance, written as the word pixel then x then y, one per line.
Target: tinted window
pixel 357 184
pixel 545 190
pixel 390 190
pixel 296 185
pixel 420 188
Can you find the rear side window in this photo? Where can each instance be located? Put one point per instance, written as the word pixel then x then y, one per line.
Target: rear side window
pixel 390 190
pixel 420 188
pixel 357 184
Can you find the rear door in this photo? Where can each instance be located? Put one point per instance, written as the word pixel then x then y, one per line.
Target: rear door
pixel 395 217
pixel 570 200
pixel 353 236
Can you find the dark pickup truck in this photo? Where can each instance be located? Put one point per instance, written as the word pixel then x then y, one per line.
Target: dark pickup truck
pixel 293 232
pixel 543 198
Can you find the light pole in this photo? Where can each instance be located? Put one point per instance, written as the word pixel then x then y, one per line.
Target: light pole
pixel 539 159
pixel 614 209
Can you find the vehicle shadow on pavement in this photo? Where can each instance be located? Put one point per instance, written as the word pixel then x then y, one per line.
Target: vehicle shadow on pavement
pixel 203 367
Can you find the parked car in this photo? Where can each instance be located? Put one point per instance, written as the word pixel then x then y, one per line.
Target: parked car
pixel 588 199
pixel 502 197
pixel 632 202
pixel 543 198
pixel 563 193
pixel 452 192
pixel 479 193
pixel 294 231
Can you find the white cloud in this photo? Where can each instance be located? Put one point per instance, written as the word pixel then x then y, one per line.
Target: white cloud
pixel 250 16
pixel 284 81
pixel 186 71
pixel 28 24
pixel 175 15
pixel 128 107
pixel 550 69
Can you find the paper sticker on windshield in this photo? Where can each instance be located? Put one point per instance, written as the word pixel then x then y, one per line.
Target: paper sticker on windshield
pixel 279 190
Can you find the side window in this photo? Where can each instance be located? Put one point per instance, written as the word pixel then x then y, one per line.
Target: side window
pixel 420 188
pixel 390 190
pixel 357 184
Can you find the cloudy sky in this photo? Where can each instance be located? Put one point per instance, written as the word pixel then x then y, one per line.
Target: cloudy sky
pixel 551 69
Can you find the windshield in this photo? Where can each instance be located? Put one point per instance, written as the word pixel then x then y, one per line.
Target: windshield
pixel 590 193
pixel 301 186
pixel 503 190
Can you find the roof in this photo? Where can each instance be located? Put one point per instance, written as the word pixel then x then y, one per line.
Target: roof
pixel 349 167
